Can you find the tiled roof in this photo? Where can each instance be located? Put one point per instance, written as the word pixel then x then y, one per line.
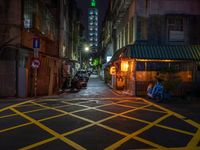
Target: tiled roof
pixel 159 52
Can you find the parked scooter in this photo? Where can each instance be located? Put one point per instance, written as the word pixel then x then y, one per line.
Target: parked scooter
pixel 156 91
pixel 83 81
pixel 75 84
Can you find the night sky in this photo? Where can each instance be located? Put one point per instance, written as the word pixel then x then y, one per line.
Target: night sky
pixel 84 5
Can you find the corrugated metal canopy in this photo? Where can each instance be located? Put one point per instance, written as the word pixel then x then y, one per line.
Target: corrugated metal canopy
pixel 159 52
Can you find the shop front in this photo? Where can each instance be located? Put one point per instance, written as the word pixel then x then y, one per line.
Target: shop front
pixel 137 65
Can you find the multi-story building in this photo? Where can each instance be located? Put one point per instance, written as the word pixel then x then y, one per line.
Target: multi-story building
pixel 93 26
pixel 157 31
pixel 25 23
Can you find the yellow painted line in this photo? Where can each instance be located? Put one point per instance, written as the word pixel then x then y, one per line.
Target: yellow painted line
pixel 25 105
pixel 67 113
pixel 154 110
pixel 15 105
pixel 6 116
pixel 52 132
pixel 114 103
pixel 11 115
pixel 54 138
pixel 25 124
pixel 78 129
pixel 195 140
pixel 142 108
pixel 38 144
pixel 114 130
pixel 157 146
pixel 193 123
pixel 126 134
pixel 120 142
pixel 52 117
pixel 102 121
pixel 15 127
pixel 174 129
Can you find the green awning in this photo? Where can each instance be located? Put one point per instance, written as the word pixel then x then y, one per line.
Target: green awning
pixel 159 52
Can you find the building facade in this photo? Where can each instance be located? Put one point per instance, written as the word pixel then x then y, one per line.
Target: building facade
pixel 21 23
pixel 152 23
pixel 93 26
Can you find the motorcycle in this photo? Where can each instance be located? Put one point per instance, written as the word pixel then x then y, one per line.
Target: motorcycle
pixel 83 81
pixel 76 84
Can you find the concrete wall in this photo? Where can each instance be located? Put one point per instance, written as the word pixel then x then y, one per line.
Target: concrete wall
pixel 152 20
pixel 161 7
pixel 10 26
pixel 8 73
pixel 10 22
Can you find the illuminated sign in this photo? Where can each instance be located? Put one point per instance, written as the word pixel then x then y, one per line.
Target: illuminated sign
pixel 112 70
pixel 93 3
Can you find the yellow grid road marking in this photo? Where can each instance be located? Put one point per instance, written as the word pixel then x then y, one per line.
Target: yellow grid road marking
pixel 47 118
pixel 193 123
pixel 121 114
pixel 15 105
pixel 38 144
pixel 6 116
pixel 98 122
pixel 195 140
pixel 169 128
pixel 52 132
pixel 120 142
pixel 30 111
pixel 142 109
pixel 15 127
pixel 147 142
pixel 54 138
pixel 136 119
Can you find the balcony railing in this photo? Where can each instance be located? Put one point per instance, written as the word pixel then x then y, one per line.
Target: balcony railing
pixel 120 10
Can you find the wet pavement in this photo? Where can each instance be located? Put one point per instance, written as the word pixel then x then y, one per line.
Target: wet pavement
pixel 95 118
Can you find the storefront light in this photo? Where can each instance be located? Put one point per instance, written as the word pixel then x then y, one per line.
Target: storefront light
pixel 124 66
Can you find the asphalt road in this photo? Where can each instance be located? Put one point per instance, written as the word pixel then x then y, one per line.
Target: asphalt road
pixel 95 118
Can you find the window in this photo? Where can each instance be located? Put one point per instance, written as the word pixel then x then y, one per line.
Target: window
pixel 175 29
pixel 157 66
pixel 140 66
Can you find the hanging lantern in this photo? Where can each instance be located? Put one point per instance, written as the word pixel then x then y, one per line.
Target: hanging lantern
pixel 124 66
pixel 112 70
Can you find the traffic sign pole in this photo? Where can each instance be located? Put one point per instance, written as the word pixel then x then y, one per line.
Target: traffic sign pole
pixel 35 82
pixel 36 46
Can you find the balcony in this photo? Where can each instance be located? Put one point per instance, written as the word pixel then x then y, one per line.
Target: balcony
pixel 120 10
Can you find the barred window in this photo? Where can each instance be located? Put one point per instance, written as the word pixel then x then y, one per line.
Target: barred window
pixel 175 29
pixel 29 9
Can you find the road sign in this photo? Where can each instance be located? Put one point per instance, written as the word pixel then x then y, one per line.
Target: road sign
pixel 36 42
pixel 35 63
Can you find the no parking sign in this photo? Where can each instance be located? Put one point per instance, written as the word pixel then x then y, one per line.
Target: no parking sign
pixel 35 63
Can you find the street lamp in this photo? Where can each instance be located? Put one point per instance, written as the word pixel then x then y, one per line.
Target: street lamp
pixel 86 48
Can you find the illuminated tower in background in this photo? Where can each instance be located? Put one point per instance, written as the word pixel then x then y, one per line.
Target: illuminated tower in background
pixel 93 26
